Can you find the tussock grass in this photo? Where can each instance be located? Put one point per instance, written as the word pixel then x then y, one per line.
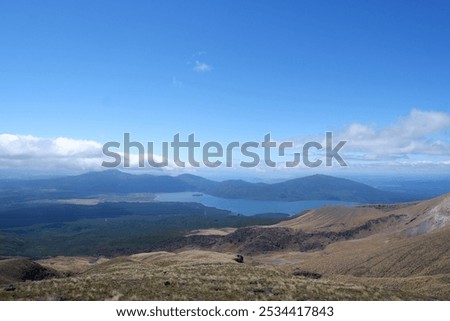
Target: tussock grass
pixel 193 275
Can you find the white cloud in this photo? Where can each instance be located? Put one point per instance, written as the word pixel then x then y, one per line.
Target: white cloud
pixel 30 152
pixel 418 141
pixel 202 67
pixel 415 134
pixel 60 154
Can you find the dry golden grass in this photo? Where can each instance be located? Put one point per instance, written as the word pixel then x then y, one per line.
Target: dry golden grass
pixel 333 218
pixel 437 287
pixel 71 264
pixel 193 276
pixel 384 256
pixel 213 231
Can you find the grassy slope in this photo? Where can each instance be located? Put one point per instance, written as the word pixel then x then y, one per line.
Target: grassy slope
pixel 408 260
pixel 194 275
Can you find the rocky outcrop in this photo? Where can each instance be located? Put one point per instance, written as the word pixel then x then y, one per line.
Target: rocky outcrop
pixel 256 240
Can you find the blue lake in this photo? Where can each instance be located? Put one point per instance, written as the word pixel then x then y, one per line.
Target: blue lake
pixel 246 207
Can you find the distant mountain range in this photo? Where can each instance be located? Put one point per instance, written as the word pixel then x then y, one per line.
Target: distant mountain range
pixel 315 187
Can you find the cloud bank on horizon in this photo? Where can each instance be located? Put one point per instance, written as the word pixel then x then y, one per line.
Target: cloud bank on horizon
pixel 418 140
pixel 419 133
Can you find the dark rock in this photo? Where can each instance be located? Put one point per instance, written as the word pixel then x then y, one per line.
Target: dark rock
pixel 58 298
pixel 167 283
pixel 260 240
pixel 266 291
pixel 306 274
pixel 10 288
pixel 239 258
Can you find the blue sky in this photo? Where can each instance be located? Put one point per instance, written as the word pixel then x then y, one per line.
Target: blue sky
pixel 226 70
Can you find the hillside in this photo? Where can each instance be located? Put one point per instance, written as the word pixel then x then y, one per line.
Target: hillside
pixel 377 252
pixel 190 275
pixel 418 244
pixel 14 270
pixel 315 187
pixel 406 246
